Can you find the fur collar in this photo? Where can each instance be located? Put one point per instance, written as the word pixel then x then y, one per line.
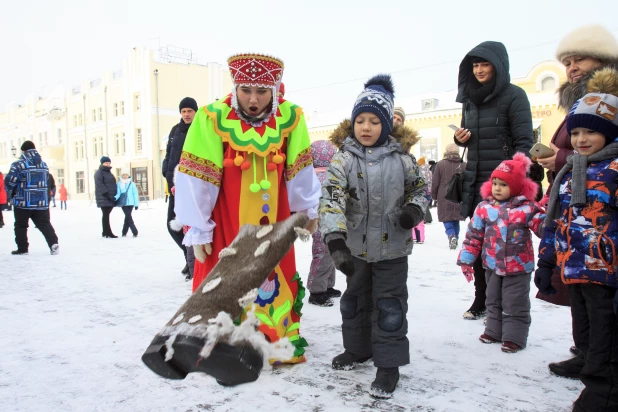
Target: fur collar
pixel 404 135
pixel 569 93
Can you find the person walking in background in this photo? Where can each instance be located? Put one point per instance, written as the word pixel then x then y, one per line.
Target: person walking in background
pixel 322 272
pixel 63 196
pixel 496 122
pixel 127 199
pixel 448 212
pixel 499 232
pixel 105 194
pixel 27 184
pixel 175 142
pixel 3 199
pixel 51 184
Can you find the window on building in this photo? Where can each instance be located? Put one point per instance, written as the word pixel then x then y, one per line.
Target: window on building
pixel 60 176
pixel 101 145
pixel 115 109
pixel 124 144
pixel 100 113
pixel 45 142
pixel 138 140
pixel 81 120
pixel 116 143
pixel 74 120
pixel 81 149
pixel 59 136
pixel 76 150
pixel 136 101
pixel 122 107
pixel 40 141
pixel 548 84
pixel 95 150
pixel 79 182
pixel 94 115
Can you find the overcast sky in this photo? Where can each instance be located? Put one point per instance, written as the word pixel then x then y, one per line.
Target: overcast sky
pixel 329 46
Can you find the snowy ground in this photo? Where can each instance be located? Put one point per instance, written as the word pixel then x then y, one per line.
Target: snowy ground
pixel 74 327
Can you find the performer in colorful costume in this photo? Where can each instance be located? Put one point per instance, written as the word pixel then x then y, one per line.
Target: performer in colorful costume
pixel 247 160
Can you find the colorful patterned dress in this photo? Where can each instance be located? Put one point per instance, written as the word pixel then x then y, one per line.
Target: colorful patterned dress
pixel 232 173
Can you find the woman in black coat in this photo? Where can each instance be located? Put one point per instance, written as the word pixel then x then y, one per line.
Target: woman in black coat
pixel 105 192
pixel 496 123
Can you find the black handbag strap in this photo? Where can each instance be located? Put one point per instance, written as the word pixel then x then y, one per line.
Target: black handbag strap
pixel 461 160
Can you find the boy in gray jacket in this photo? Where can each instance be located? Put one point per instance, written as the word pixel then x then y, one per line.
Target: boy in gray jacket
pixel 372 197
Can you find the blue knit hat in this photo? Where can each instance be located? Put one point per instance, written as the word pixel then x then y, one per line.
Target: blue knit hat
pixel 377 98
pixel 105 159
pixel 598 110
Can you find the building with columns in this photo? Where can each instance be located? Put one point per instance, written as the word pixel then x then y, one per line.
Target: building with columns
pixel 431 113
pixel 124 114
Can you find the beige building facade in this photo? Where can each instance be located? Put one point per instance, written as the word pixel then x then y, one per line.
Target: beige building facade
pixel 125 114
pixel 432 113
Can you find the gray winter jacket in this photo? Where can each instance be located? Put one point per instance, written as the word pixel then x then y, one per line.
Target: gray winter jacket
pixel 362 197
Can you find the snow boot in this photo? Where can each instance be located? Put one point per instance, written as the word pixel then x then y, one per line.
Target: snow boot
pixel 54 249
pixel 384 384
pixel 570 368
pixel 488 339
pixel 573 349
pixel 19 252
pixel 510 347
pixel 320 299
pixel 229 365
pixel 333 293
pixel 185 270
pixel 474 314
pixel 452 242
pixel 348 361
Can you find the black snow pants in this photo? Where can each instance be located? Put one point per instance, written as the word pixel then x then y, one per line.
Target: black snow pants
pixel 373 308
pixel 595 331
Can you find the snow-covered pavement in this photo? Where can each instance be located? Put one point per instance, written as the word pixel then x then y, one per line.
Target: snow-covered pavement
pixel 74 326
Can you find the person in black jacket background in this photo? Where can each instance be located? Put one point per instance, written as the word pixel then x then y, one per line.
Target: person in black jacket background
pixel 105 193
pixel 51 185
pixel 496 122
pixel 177 136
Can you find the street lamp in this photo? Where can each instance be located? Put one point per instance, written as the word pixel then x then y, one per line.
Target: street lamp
pixel 14 151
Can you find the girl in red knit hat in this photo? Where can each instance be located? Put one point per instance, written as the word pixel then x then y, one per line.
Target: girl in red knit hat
pixel 500 231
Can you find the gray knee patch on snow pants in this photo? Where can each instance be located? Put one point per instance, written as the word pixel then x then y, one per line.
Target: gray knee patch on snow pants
pixel 390 318
pixel 347 306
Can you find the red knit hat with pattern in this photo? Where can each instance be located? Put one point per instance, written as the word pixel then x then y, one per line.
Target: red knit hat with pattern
pixel 513 172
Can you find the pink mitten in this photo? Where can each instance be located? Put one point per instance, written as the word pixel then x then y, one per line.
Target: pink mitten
pixel 468 272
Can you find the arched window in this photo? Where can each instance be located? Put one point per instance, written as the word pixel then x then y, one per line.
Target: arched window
pixel 548 84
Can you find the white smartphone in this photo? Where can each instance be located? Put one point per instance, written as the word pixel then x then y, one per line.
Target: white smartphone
pixel 455 128
pixel 541 151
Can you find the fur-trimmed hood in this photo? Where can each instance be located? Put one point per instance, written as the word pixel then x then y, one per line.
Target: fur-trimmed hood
pixel 404 135
pixel 569 93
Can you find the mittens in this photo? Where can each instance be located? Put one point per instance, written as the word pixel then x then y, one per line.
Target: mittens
pixel 468 272
pixel 542 277
pixel 411 215
pixel 342 257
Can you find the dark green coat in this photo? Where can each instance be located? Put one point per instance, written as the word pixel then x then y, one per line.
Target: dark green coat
pixel 500 126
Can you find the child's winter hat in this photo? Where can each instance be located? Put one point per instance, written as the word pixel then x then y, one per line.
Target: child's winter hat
pixel 377 98
pixel 513 172
pixel 27 145
pixel 598 110
pixel 322 152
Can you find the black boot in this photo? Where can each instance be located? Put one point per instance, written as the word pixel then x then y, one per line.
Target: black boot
pixel 333 293
pixel 348 361
pixel 185 270
pixel 320 299
pixel 574 350
pixel 384 384
pixel 569 368
pixel 19 252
